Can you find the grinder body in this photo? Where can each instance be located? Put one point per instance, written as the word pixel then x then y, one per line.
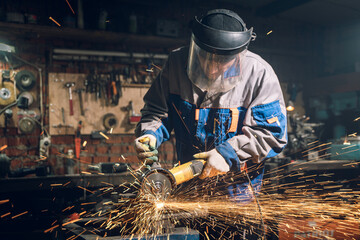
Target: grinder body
pixel 160 182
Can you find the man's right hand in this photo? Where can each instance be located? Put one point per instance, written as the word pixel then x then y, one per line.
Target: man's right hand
pixel 146 149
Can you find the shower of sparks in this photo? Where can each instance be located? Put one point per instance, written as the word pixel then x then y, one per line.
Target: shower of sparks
pixel 6 214
pixel 55 21
pixel 206 207
pixel 3 147
pixel 18 215
pixel 70 7
pixel 4 201
pixel 285 198
pixel 56 184
pixel 102 134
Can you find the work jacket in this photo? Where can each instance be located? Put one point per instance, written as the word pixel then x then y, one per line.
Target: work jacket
pixel 246 124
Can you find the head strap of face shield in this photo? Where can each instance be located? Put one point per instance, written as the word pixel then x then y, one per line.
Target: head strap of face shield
pixel 221 41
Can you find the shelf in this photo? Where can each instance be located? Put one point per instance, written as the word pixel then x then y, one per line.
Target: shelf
pixel 48 32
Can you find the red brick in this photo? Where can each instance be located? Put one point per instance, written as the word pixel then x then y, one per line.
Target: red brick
pixel 54 150
pixel 90 149
pixel 66 139
pixel 114 139
pixel 102 149
pixel 13 141
pixel 131 149
pixel 99 159
pixel 116 159
pixel 12 151
pixel 3 141
pixel 32 152
pixel 12 131
pixel 95 141
pixel 86 160
pixel 86 138
pixel 59 171
pixel 52 161
pixel 15 164
pixel 128 138
pixel 116 149
pixel 132 159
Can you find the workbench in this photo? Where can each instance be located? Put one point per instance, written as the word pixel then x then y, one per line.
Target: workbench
pixel 91 181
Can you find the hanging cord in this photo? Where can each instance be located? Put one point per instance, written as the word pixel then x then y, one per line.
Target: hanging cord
pixel 259 207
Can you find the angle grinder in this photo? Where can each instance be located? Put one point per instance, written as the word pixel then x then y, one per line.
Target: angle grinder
pixel 160 182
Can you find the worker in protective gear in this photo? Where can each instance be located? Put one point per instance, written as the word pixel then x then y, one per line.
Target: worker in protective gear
pixel 223 102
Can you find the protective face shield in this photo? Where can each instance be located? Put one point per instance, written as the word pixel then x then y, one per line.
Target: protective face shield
pixel 217 50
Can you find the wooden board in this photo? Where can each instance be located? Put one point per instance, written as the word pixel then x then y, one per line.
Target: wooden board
pixel 94 109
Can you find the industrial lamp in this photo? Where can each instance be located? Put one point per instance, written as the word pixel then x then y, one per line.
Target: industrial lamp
pixel 290 106
pixel 6 48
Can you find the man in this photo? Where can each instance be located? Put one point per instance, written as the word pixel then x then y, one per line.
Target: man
pixel 224 103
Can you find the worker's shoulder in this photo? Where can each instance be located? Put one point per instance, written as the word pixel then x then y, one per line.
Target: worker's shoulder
pixel 257 61
pixel 178 56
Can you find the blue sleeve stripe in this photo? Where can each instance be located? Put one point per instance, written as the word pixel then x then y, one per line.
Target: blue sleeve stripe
pixel 161 135
pixel 227 151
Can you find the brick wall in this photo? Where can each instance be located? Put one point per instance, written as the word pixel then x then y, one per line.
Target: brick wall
pixel 118 148
pixel 24 151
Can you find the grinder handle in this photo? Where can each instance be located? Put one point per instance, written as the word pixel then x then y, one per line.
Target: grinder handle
pixel 187 171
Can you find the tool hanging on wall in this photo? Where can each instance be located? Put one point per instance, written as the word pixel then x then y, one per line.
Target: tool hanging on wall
pixel 26 124
pixel 133 117
pixel 25 80
pixel 69 85
pixel 28 96
pixel 110 121
pixel 79 92
pixel 44 146
pixel 7 89
pixel 78 140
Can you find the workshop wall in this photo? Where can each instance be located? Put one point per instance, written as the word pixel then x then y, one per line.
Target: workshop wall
pixel 118 148
pixel 289 48
pixel 23 149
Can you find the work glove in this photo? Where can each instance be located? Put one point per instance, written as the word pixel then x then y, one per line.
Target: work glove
pixel 146 149
pixel 215 163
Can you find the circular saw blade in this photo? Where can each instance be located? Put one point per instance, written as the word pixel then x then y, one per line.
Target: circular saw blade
pixel 157 184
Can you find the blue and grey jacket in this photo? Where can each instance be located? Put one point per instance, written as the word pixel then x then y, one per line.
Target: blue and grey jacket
pixel 247 124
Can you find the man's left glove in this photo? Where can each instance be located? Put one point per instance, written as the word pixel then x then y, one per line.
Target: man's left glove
pixel 146 149
pixel 215 163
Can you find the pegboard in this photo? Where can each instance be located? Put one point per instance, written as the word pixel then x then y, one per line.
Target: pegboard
pixel 94 110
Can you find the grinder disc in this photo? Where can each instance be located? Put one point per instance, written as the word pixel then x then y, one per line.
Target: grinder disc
pixel 25 80
pixel 7 93
pixel 158 184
